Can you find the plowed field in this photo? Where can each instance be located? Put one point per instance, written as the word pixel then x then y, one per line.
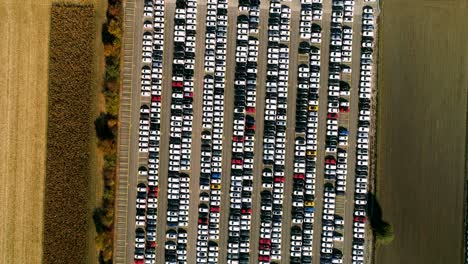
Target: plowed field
pixel 423 84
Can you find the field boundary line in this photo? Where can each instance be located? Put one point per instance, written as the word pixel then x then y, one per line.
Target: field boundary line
pixel 375 143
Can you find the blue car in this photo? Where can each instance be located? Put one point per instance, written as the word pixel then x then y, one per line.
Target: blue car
pixel 343 132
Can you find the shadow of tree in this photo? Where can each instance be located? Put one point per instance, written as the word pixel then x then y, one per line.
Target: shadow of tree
pixel 103 131
pixel 383 231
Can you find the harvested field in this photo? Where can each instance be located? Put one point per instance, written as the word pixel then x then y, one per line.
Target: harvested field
pixel 422 129
pixel 23 104
pixel 24 50
pixel 69 134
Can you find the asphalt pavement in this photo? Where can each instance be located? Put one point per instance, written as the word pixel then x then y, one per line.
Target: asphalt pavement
pixel 228 126
pixel 130 158
pixel 290 131
pixel 352 128
pixel 323 94
pixel 128 128
pixel 259 125
pixel 165 122
pixel 196 131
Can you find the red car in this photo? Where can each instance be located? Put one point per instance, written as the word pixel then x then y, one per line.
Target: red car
pixel 151 244
pixel 330 161
pixel 265 241
pixel 237 161
pixel 189 95
pixel 156 98
pixel 332 116
pixel 264 258
pixel 361 219
pixel 299 176
pixel 250 110
pixel 238 138
pixel 279 179
pixel 139 261
pixel 203 221
pixel 178 84
pixel 214 209
pixel 153 193
pixel 344 109
pixel 264 247
pixel 246 211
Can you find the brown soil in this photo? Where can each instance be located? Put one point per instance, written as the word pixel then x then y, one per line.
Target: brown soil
pixel 422 129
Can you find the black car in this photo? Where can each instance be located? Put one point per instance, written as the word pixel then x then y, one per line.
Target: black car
pixel 364 106
pixel 361 173
pixel 360 196
pixel 362 168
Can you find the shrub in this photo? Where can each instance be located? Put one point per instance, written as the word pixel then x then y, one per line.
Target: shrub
pixel 106 129
pixel 112 69
pixel 103 131
pixel 112 105
pixel 384 233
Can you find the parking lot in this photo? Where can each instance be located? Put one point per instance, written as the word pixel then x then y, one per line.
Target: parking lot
pixel 252 120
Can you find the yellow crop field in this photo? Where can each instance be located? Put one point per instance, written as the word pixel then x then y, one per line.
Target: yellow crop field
pixel 23 103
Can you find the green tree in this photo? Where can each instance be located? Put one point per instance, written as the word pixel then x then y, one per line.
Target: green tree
pixel 384 233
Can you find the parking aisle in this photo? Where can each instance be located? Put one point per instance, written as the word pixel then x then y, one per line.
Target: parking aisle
pixel 321 131
pixel 124 245
pixel 165 132
pixel 196 131
pixel 259 116
pixel 290 131
pixel 228 126
pixel 354 99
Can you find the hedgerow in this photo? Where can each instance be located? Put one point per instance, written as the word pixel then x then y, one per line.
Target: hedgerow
pixel 106 129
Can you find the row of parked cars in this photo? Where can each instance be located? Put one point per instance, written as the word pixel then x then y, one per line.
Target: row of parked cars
pixel 180 137
pixel 241 177
pixel 311 10
pixel 149 132
pixel 362 151
pixel 146 217
pixel 212 132
pixel 336 132
pixel 274 137
pixel 305 150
